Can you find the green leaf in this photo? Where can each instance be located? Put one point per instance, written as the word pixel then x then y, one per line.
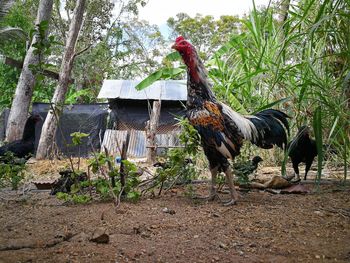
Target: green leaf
pixel 77 137
pixel 236 104
pixel 134 195
pixel 270 105
pixel 169 73
pixel 165 73
pixel 43 26
pixel 149 80
pixel 174 56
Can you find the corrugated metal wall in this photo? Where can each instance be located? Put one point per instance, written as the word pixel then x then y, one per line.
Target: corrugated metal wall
pixel 137 143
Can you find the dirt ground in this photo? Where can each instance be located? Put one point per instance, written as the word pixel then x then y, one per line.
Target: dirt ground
pixel 262 227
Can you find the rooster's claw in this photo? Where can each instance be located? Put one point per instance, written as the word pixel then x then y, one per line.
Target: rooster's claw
pixel 231 202
pixel 210 197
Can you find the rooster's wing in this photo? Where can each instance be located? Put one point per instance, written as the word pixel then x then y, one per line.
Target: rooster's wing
pixel 216 129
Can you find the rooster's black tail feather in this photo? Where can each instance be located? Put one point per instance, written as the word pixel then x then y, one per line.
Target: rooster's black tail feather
pixel 272 128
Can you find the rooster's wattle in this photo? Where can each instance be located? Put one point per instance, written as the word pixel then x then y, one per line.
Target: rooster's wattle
pixel 223 130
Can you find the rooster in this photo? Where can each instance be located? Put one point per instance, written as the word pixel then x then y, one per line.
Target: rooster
pixel 25 147
pixel 223 130
pixel 302 149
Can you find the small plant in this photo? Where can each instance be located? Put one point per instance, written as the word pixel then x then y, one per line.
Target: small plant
pixel 132 180
pixel 103 188
pixel 189 137
pixel 74 198
pixel 243 179
pixel 189 191
pixel 220 180
pixel 11 171
pixel 77 141
pixel 179 165
pixel 110 185
pixel 72 184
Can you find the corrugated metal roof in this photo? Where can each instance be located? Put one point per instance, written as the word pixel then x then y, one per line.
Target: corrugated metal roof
pixel 172 90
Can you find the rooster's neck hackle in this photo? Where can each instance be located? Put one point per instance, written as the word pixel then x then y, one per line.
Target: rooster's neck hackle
pixel 193 64
pixel 198 87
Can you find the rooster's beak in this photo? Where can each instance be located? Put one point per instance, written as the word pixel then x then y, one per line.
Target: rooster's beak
pixel 174 46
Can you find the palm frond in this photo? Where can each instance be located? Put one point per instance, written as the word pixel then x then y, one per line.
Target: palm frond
pixel 5 6
pixel 10 33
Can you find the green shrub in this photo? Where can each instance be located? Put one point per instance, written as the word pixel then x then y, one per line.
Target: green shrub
pixel 11 171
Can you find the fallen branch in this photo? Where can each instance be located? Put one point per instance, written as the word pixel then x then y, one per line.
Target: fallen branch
pixel 34 244
pixel 343 212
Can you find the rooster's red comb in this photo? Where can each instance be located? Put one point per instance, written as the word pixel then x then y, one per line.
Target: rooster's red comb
pixel 179 39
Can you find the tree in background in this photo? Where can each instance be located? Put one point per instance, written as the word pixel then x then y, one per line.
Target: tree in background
pixel 111 34
pixel 138 50
pixel 8 32
pixel 206 33
pixel 24 90
pixel 98 16
pixel 48 133
pixel 128 48
pixel 19 17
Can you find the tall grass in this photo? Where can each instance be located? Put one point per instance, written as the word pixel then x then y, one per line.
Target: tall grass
pixel 300 66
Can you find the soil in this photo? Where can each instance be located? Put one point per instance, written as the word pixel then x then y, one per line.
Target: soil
pixel 262 227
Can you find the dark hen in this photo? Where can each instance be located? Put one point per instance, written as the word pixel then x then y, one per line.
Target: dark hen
pixel 23 148
pixel 223 130
pixel 302 149
pixel 243 169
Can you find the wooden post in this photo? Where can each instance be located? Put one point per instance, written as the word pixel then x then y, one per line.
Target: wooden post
pixel 151 130
pixel 122 168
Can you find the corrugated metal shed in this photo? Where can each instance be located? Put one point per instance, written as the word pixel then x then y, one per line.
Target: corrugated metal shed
pixel 137 144
pixel 171 90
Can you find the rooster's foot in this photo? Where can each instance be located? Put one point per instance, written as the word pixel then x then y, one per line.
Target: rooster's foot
pixel 296 179
pixel 210 197
pixel 230 202
pixel 289 177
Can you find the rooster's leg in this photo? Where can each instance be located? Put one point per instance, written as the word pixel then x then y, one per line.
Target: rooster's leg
pixel 296 171
pixel 213 194
pixel 307 168
pixel 233 192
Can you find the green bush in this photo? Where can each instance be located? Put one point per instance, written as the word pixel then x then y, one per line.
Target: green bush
pixel 11 171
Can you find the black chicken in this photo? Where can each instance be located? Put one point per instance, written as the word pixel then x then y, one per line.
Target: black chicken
pixel 166 165
pixel 67 179
pixel 23 148
pixel 302 149
pixel 223 130
pixel 244 169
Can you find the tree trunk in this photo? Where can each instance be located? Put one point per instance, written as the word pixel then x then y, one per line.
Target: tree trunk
pixel 151 131
pixel 48 134
pixel 24 91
